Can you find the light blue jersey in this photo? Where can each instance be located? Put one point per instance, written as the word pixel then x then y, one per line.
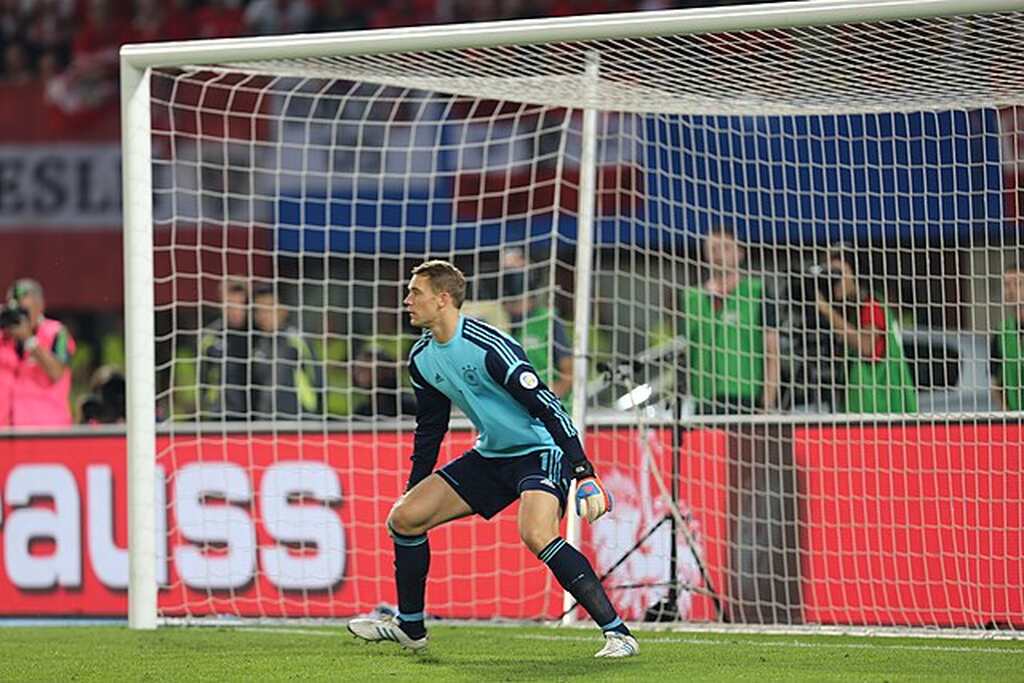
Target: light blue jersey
pixel 486 374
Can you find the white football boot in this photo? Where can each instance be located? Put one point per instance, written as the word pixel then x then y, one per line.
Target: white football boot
pixel 380 629
pixel 618 645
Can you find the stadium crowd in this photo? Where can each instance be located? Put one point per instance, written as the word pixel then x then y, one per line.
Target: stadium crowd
pixel 42 38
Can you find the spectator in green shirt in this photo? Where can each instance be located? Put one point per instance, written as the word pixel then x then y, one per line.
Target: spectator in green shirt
pixel 1007 362
pixel 730 325
pixel 536 326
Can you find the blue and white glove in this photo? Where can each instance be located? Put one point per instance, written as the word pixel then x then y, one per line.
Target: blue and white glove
pixel 592 498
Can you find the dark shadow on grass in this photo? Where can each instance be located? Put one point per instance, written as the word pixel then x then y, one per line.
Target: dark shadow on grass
pixel 541 667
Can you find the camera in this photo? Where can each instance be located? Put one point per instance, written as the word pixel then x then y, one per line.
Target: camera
pixel 12 314
pixel 815 279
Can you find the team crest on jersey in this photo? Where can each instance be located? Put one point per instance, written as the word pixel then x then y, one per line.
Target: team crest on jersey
pixel 470 376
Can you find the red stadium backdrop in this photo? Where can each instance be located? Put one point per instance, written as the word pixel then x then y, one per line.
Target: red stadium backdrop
pixel 907 525
pixel 910 525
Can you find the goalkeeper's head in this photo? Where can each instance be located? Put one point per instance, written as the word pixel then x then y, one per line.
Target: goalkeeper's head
pixel 436 291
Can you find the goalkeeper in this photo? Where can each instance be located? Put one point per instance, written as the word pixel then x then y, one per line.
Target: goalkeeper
pixel 527 448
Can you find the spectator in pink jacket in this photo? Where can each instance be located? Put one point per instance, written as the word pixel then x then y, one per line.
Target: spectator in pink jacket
pixel 35 358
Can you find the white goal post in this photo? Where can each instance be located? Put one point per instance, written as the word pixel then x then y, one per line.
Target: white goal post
pixel 797 91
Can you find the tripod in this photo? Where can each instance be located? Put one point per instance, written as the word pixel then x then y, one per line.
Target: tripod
pixel 666 609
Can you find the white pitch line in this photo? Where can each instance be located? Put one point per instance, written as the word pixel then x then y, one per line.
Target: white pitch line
pixel 795 645
pixel 289 631
pixel 662 640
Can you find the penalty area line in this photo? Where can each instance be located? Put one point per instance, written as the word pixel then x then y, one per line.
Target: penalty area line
pixel 791 644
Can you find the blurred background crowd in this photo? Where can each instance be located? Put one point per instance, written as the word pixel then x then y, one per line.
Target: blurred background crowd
pixel 43 38
pixel 60 65
pixel 59 224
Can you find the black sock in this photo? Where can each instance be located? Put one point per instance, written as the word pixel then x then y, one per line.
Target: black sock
pixel 412 562
pixel 574 572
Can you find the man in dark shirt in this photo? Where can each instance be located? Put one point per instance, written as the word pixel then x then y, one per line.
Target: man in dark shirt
pixel 287 377
pixel 375 379
pixel 224 358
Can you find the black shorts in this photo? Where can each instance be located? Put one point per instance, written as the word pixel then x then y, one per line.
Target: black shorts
pixel 489 485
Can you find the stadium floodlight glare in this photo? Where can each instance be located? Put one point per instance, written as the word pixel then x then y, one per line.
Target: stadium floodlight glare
pixel 600 149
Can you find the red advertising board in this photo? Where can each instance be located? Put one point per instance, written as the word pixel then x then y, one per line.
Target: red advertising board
pixel 237 539
pixel 905 525
pixel 54 487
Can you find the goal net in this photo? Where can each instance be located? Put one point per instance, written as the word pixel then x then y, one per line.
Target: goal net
pixel 765 254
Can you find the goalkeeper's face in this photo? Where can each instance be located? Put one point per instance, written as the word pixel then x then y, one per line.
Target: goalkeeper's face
pixel 423 302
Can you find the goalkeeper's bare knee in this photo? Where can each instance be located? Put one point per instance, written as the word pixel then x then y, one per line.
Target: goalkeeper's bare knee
pixel 536 539
pixel 538 519
pixel 402 521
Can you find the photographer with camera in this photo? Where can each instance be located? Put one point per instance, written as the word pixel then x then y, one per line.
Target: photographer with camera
pixel 35 358
pixel 878 378
pixel 730 325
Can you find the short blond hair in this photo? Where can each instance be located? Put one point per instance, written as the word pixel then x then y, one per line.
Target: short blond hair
pixel 444 277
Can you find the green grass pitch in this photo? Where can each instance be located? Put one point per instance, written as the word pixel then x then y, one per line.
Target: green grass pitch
pixel 472 653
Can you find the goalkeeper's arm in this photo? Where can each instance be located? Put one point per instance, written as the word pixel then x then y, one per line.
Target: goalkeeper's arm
pixel 433 413
pixel 522 382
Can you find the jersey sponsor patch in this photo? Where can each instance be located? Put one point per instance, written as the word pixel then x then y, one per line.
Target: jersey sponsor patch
pixel 528 380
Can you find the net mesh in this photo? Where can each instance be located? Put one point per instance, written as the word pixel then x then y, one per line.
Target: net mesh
pixel 909 65
pixel 801 236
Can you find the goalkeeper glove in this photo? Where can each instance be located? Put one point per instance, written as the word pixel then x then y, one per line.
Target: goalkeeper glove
pixel 592 499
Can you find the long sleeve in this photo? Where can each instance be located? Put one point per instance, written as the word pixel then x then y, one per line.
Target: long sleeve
pixel 433 412
pixel 520 380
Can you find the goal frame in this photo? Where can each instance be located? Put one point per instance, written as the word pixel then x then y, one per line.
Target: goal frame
pixel 138 61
